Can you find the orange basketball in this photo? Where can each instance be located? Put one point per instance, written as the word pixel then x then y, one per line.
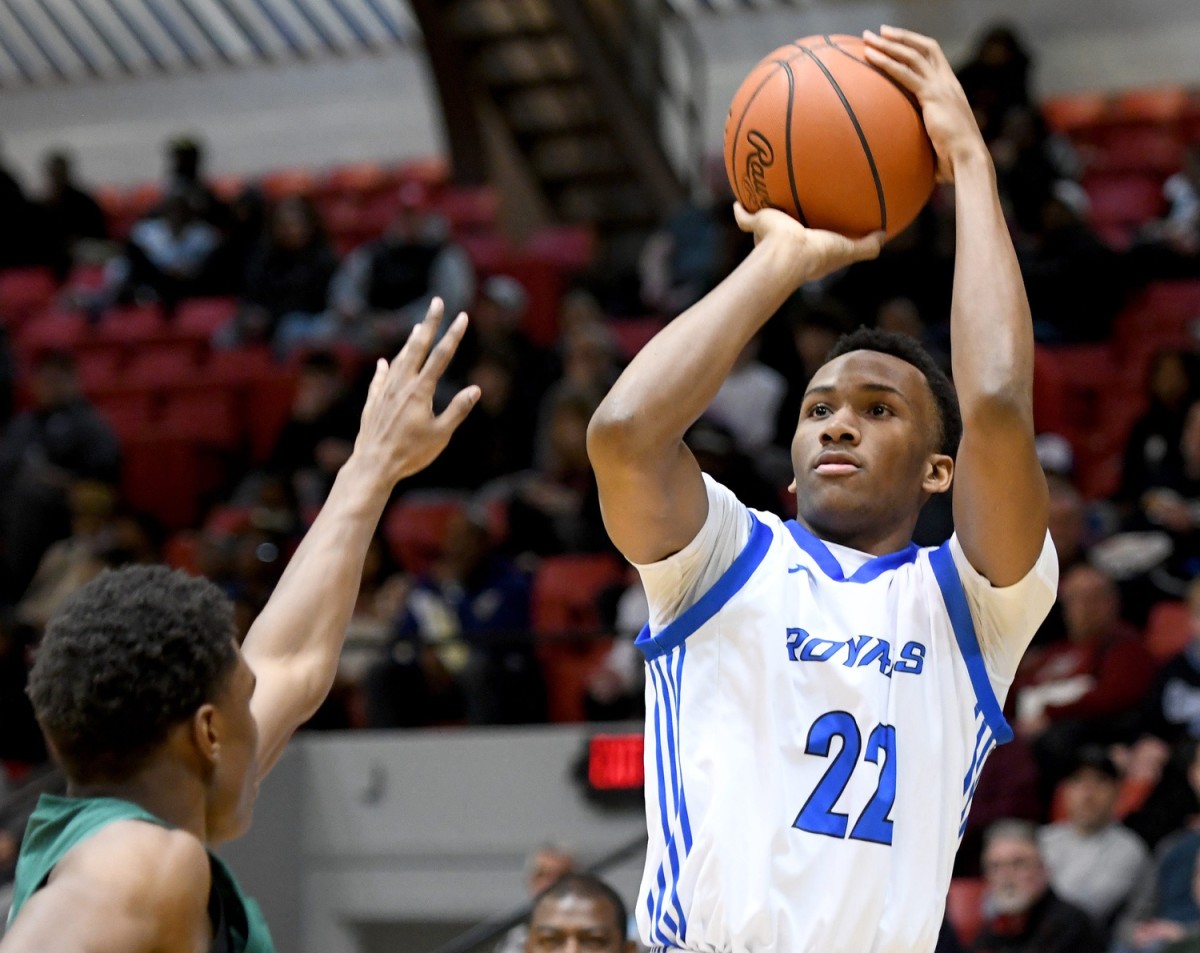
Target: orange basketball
pixel 819 133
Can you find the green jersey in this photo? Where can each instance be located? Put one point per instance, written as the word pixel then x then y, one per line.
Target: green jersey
pixel 60 823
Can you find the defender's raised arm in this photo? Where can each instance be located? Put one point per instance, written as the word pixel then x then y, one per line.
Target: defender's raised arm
pixel 651 490
pixel 1000 495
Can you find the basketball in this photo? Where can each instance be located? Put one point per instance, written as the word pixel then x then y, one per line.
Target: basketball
pixel 819 133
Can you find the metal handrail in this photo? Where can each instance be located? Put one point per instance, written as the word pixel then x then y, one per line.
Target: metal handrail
pixel 492 929
pixel 687 97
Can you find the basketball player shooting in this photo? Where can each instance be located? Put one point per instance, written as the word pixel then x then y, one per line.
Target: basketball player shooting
pixel 822 694
pixel 165 727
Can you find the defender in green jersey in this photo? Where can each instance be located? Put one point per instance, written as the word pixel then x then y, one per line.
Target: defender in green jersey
pixel 164 726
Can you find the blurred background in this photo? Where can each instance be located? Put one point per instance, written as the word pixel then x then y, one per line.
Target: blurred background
pixel 214 214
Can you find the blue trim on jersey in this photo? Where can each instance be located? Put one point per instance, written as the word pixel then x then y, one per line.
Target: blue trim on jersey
pixel 828 564
pixel 946 573
pixel 708 605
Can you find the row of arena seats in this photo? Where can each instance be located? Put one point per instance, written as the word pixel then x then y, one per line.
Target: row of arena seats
pixel 1092 393
pixel 568 636
pixel 1129 142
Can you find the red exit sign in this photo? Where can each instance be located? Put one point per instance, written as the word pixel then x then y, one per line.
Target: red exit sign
pixel 615 762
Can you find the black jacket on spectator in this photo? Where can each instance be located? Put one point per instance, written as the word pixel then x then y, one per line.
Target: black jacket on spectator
pixel 1051 926
pixel 282 281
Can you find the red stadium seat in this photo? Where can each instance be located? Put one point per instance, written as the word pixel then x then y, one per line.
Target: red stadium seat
pixel 23 290
pixel 98 368
pixel 1145 149
pixel 415 529
pixel 566 669
pixel 964 908
pixel 202 317
pixel 360 179
pixel 241 366
pixel 204 414
pixel 566 590
pixel 1159 105
pixel 162 365
pixel 130 411
pixel 166 477
pixel 282 183
pixel 1168 630
pixel 268 402
pixel 132 324
pixel 1072 113
pixel 1125 200
pixel 52 331
pixel 182 551
pixel 470 209
pixel 571 247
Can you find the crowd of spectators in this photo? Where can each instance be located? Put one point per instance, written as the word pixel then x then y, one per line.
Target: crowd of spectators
pixel 1105 755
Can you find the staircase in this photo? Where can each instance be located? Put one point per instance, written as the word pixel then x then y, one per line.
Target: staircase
pixel 600 99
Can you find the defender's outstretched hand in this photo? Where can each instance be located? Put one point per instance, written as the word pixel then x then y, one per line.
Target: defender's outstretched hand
pixel 918 64
pixel 400 432
pixel 817 252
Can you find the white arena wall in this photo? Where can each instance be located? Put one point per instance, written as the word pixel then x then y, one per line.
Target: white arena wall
pixel 317 114
pixel 376 842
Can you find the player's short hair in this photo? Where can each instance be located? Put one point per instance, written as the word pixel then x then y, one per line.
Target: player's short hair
pixel 908 349
pixel 590 888
pixel 131 654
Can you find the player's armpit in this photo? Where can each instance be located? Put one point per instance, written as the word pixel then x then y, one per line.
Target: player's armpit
pixel 132 888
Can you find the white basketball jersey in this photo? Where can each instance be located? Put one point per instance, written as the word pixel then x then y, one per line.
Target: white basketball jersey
pixel 812 746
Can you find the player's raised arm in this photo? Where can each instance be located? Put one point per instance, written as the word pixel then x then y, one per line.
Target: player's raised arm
pixel 294 645
pixel 1000 495
pixel 651 491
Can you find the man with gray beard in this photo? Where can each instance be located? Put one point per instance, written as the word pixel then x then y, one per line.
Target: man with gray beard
pixel 1021 912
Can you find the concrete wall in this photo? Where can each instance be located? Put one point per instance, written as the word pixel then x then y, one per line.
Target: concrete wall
pixel 377 841
pixel 321 114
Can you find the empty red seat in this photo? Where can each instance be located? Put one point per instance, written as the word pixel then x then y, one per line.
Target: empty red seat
pixel 1158 104
pixel 167 476
pixel 162 365
pixel 358 179
pixel 53 331
pixel 240 366
pixel 415 529
pixel 266 406
pixel 182 551
pixel 566 590
pixel 131 324
pixel 1145 149
pixel 1168 629
pixel 1072 112
pixel 566 670
pixel 202 317
pixel 26 289
pixel 204 414
pixel 282 183
pixel 571 247
pixel 98 368
pixel 470 209
pixel 964 908
pixel 1126 200
pixel 130 411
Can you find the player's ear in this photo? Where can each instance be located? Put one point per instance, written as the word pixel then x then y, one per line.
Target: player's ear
pixel 939 473
pixel 792 487
pixel 206 733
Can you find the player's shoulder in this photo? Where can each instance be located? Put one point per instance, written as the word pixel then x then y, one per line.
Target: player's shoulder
pixel 131 859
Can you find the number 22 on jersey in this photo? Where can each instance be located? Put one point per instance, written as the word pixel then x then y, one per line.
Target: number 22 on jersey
pixel 818 816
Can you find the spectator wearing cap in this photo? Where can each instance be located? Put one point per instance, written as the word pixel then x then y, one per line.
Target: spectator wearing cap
pixel 1092 860
pixel 384 287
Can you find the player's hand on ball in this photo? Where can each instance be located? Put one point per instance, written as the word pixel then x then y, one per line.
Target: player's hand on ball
pixel 400 434
pixel 818 252
pixel 918 64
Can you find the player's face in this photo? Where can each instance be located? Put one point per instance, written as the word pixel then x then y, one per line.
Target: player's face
pixel 863 452
pixel 575 924
pixel 235 777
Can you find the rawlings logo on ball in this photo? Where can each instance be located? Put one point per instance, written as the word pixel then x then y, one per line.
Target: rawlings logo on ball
pixel 761 159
